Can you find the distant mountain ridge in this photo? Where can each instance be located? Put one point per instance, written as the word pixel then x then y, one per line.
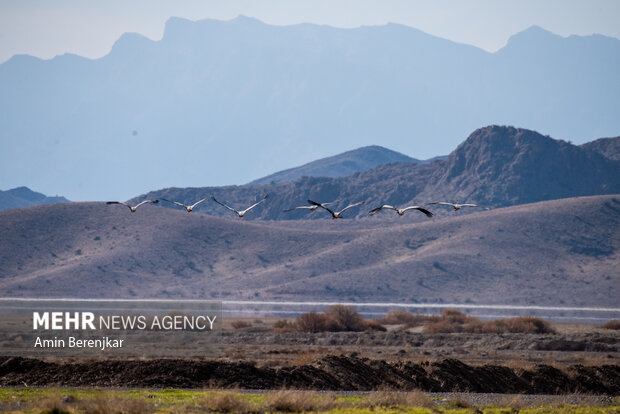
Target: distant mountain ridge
pixel 284 94
pixel 20 197
pixel 495 166
pixel 341 165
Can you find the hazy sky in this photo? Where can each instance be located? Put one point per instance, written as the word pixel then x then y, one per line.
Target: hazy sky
pixel 46 28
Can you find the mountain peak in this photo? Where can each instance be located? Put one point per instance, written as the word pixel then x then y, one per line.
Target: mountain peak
pixel 19 197
pixel 505 133
pixel 341 165
pixel 178 27
pixel 130 42
pixel 515 165
pixel 242 18
pixel 531 37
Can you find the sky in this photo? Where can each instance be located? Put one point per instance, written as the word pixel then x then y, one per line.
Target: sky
pixel 89 28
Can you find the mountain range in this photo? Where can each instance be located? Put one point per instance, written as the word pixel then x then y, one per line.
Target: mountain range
pixel 561 252
pixel 495 166
pixel 20 197
pixel 221 102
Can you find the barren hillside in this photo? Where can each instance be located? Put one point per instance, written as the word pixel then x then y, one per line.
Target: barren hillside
pixel 548 253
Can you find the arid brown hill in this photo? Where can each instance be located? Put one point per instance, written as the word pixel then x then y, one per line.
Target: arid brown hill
pixel 495 166
pixel 563 252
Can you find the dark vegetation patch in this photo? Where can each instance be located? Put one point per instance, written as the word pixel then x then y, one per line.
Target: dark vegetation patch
pixel 331 372
pixel 613 324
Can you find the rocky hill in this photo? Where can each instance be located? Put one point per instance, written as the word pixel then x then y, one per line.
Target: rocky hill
pixel 495 166
pixel 607 147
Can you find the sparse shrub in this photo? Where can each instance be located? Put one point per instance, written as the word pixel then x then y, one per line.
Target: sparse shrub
pixel 613 324
pixel 298 401
pixel 311 322
pixel 403 317
pixel 458 403
pixel 51 404
pixel 387 399
pixel 225 402
pixel 442 326
pixel 452 321
pixel 344 318
pixel 336 318
pixel 521 324
pixel 515 402
pixel 375 325
pixel 399 399
pixel 454 316
pixel 241 324
pixel 283 325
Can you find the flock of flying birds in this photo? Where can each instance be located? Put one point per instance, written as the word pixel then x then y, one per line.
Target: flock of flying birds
pixel 313 205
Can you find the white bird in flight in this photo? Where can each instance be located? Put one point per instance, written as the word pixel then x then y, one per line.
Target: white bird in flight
pixel 400 211
pixel 335 214
pixel 242 212
pixel 455 206
pixel 189 209
pixel 311 208
pixel 133 208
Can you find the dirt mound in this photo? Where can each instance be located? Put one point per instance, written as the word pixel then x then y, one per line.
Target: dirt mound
pixel 337 373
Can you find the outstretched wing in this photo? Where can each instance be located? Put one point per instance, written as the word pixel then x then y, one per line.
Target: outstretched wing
pixel 314 203
pixel 295 208
pixel 255 204
pixel 443 203
pixel 376 210
pixel 197 202
pixel 145 202
pixel 470 205
pixel 174 202
pixel 423 210
pixel 119 202
pixel 350 206
pixel 224 205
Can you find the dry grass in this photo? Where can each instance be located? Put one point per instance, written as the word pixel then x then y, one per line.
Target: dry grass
pixel 375 325
pixel 300 401
pixel 613 324
pixel 52 404
pixel 394 399
pixel 403 317
pixel 241 324
pixel 102 404
pixel 306 358
pixel 515 402
pixel 521 324
pixel 283 325
pixel 225 402
pixel 336 318
pixel 452 321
